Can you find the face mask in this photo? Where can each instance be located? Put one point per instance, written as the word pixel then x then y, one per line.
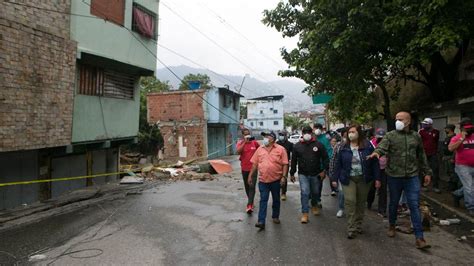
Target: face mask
pixel 318 132
pixel 307 137
pixel 425 126
pixel 399 125
pixel 281 138
pixel 266 141
pixel 353 136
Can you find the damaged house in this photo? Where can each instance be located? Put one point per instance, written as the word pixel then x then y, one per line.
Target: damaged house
pixel 196 123
pixel 69 93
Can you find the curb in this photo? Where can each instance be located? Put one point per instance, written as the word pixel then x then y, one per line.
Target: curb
pixel 449 208
pixel 52 209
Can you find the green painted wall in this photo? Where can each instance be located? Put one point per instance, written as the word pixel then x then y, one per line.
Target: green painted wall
pixel 101 118
pixel 106 39
pixel 119 120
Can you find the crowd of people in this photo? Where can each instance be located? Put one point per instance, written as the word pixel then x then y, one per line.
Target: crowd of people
pixel 396 165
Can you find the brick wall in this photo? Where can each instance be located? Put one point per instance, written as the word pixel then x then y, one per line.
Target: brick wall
pixel 181 114
pixel 193 139
pixel 37 71
pixel 175 105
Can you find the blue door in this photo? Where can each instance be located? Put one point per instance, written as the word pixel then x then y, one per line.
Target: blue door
pixel 216 142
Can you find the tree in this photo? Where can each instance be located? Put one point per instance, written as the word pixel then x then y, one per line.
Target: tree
pixel 434 36
pixel 293 121
pixel 356 47
pixel 149 136
pixel 204 79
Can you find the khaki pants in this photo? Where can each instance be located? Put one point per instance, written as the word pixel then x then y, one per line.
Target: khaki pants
pixel 355 199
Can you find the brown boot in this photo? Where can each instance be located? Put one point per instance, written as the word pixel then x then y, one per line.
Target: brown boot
pixel 421 244
pixel 391 231
pixel 315 210
pixel 305 218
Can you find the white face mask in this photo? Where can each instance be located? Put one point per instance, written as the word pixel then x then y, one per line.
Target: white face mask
pixel 399 125
pixel 281 138
pixel 266 141
pixel 318 132
pixel 307 137
pixel 353 136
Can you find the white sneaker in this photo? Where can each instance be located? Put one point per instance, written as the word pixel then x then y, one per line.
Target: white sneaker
pixel 340 213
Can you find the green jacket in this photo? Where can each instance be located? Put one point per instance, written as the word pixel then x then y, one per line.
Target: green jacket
pixel 405 154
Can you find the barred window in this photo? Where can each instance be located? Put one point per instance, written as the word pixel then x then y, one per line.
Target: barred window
pixel 96 81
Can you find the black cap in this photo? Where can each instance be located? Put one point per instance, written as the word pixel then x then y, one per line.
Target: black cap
pixel 450 126
pixel 265 134
pixel 318 125
pixel 307 129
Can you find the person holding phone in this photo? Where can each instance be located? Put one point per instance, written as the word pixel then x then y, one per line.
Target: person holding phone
pixel 246 148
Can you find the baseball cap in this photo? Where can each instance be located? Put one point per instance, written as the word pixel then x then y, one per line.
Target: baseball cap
pixel 307 129
pixel 380 132
pixel 317 125
pixel 450 126
pixel 428 121
pixel 272 134
pixel 466 123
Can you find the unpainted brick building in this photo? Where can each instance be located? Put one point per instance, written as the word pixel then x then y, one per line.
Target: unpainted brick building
pixel 196 124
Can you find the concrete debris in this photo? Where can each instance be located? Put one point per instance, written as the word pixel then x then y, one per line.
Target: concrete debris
pixel 462 238
pixel 129 158
pixel 37 257
pixel 449 221
pixel 179 164
pixel 147 168
pixel 126 180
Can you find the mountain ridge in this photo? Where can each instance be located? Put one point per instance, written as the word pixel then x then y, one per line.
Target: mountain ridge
pixel 294 100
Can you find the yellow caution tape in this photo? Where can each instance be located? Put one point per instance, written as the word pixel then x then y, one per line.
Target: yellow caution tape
pixel 58 179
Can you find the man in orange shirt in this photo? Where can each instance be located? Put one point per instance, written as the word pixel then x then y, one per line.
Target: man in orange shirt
pixel 271 160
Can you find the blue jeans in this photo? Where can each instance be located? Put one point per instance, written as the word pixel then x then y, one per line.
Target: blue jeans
pixel 466 175
pixel 340 197
pixel 411 187
pixel 309 185
pixel 265 190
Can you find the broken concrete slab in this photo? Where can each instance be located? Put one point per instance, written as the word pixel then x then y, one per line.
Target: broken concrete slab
pixel 131 180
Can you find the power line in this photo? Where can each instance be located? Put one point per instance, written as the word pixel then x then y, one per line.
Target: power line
pixel 171 71
pixel 210 39
pixel 220 46
pixel 222 77
pixel 223 21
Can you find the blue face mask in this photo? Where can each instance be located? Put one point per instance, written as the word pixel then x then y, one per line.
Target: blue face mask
pixel 266 141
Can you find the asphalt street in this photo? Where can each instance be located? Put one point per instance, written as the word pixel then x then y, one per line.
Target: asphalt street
pixel 183 223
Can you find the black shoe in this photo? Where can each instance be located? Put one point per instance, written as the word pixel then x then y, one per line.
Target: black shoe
pixel 261 226
pixel 351 235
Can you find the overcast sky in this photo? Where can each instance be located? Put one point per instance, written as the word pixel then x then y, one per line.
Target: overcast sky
pixel 224 22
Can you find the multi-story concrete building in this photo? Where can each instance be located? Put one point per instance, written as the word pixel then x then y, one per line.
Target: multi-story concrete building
pixel 265 114
pixel 196 124
pixel 69 92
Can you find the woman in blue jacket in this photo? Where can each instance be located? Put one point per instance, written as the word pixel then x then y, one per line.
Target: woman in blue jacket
pixel 356 174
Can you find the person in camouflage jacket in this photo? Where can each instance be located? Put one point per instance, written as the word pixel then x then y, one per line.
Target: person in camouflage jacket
pixel 406 159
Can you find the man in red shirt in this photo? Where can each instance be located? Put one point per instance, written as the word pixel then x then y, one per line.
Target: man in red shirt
pixel 271 160
pixel 246 148
pixel 430 137
pixel 463 145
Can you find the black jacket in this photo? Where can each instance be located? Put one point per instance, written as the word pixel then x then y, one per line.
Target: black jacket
pixel 288 147
pixel 311 158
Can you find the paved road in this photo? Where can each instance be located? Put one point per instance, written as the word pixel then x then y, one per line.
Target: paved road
pixel 203 223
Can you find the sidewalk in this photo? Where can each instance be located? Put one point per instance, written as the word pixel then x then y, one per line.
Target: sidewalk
pixel 444 200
